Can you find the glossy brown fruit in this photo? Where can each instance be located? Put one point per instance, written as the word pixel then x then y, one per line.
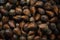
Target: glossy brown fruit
pixel 54 19
pixel 11 23
pixel 41 11
pixel 18 10
pixel 6 26
pixel 17 31
pixel 26 12
pixel 1 24
pixel 37 17
pixel 50 13
pixel 37 38
pixel 33 10
pixel 39 3
pixel 5 19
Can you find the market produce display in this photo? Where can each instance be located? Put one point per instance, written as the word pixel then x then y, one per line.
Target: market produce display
pixel 29 19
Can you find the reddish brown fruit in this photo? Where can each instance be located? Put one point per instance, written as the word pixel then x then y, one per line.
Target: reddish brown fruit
pixel 54 19
pixel 37 17
pixel 6 26
pixel 50 13
pixel 26 12
pixel 17 31
pixel 33 10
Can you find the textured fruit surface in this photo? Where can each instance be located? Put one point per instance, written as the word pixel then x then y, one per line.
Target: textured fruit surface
pixel 29 19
